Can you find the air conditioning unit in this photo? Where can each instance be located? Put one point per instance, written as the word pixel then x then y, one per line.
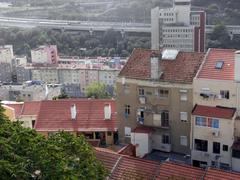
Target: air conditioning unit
pixel 215 133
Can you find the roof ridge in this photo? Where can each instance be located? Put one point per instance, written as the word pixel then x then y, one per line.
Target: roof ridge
pixel 22 109
pixel 115 165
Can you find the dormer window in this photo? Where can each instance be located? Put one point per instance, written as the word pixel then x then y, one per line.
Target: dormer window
pixel 219 64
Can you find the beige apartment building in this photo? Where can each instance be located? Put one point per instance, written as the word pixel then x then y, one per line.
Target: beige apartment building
pixel 215 122
pixel 154 91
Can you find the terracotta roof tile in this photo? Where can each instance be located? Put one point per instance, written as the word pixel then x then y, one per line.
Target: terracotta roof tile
pixel 208 69
pixel 108 158
pixel 181 70
pixel 27 108
pixel 216 174
pixel 129 150
pixel 126 167
pixel 56 115
pixel 169 170
pixel 217 112
pixel 134 168
pixel 31 108
pixel 17 108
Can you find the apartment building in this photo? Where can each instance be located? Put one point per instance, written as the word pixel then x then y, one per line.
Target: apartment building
pixel 28 92
pixel 178 27
pixel 74 78
pixel 6 54
pixel 215 122
pixel 154 99
pixel 45 54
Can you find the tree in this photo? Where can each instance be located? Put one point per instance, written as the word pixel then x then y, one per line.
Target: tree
pixel 98 91
pixel 25 154
pixel 219 38
pixel 63 95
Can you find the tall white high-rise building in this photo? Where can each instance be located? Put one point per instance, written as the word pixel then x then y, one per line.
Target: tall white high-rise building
pixel 178 27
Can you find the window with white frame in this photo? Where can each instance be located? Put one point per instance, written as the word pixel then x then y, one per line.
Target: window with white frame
pixel 183 95
pixel 127 131
pixel 183 140
pixel 184 116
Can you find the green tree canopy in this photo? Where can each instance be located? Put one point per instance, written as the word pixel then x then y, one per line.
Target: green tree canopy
pixel 25 154
pixel 98 91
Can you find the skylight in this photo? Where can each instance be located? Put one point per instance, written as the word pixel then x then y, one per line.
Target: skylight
pixel 170 54
pixel 219 64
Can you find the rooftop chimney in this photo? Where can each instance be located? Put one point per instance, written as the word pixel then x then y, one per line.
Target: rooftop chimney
pixel 237 66
pixel 73 112
pixel 107 111
pixel 155 67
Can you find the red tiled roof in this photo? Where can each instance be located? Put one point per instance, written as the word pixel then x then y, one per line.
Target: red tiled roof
pixel 134 168
pixel 31 108
pixel 215 174
pixel 181 70
pixel 217 112
pixel 56 115
pixel 126 167
pixel 17 108
pixel 129 150
pixel 209 71
pixel 108 158
pixel 143 129
pixel 169 170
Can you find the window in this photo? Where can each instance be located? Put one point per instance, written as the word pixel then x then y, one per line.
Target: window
pixel 183 116
pixel 225 147
pixel 127 131
pixel 141 92
pixel 200 121
pixel 165 139
pixel 127 110
pixel 33 123
pixel 219 64
pixel 214 123
pixel 201 145
pixel 163 93
pixel 140 115
pixel 216 147
pixel 224 94
pixel 165 119
pixel 236 153
pixel 183 140
pixel 207 122
pixel 183 95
